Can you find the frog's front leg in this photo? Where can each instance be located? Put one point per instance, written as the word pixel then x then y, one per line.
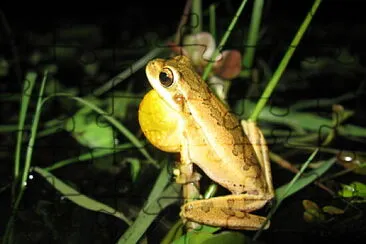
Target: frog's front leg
pixel 231 211
pixel 184 174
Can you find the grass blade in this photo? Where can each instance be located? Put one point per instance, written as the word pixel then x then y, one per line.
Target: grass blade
pixel 8 236
pixel 78 198
pixel 255 23
pixel 160 197
pixel 27 92
pixel 282 192
pixel 208 68
pixel 284 62
pixel 113 121
pixel 296 184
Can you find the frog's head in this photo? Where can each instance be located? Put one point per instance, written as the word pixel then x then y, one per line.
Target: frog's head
pixel 170 78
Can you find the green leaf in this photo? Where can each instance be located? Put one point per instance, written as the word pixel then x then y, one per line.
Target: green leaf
pixel 332 210
pixel 78 198
pixel 314 217
pixel 95 154
pixel 355 189
pixel 90 131
pixel 197 236
pixel 298 121
pixel 120 102
pixel 174 233
pixel 207 237
pixel 310 205
pixel 305 179
pixel 312 212
pixel 120 127
pixel 135 167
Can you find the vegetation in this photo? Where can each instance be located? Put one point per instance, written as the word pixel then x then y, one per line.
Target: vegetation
pixel 77 168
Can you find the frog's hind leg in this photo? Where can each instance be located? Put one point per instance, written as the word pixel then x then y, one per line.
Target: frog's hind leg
pixel 259 143
pixel 232 211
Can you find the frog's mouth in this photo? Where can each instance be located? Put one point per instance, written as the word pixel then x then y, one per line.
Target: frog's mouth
pixel 153 68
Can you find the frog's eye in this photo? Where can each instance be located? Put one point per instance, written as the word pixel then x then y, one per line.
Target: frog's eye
pixel 166 77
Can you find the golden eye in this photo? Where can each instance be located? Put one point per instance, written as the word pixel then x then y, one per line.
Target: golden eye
pixel 166 77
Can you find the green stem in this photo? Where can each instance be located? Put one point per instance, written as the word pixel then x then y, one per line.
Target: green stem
pixel 8 232
pixel 127 72
pixel 27 92
pixel 281 198
pixel 223 40
pixel 212 15
pixel 88 156
pixel 284 62
pixel 32 139
pixel 196 18
pixel 255 22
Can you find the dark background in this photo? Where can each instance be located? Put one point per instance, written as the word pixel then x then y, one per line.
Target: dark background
pixel 126 25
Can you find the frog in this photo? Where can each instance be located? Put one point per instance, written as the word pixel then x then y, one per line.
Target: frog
pixel 182 114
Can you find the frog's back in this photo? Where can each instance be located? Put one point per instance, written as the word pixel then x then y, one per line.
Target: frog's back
pixel 222 150
pixel 216 140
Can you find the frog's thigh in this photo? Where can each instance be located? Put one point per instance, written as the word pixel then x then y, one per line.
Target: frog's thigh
pixel 259 143
pixel 227 211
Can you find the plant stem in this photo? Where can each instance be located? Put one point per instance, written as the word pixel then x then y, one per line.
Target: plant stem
pixel 284 62
pixel 196 18
pixel 208 68
pixel 249 51
pixel 9 230
pixel 27 92
pixel 212 15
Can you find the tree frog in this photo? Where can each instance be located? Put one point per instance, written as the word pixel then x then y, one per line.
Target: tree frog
pixel 182 115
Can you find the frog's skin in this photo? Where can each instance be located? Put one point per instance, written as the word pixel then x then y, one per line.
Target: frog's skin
pixel 182 115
